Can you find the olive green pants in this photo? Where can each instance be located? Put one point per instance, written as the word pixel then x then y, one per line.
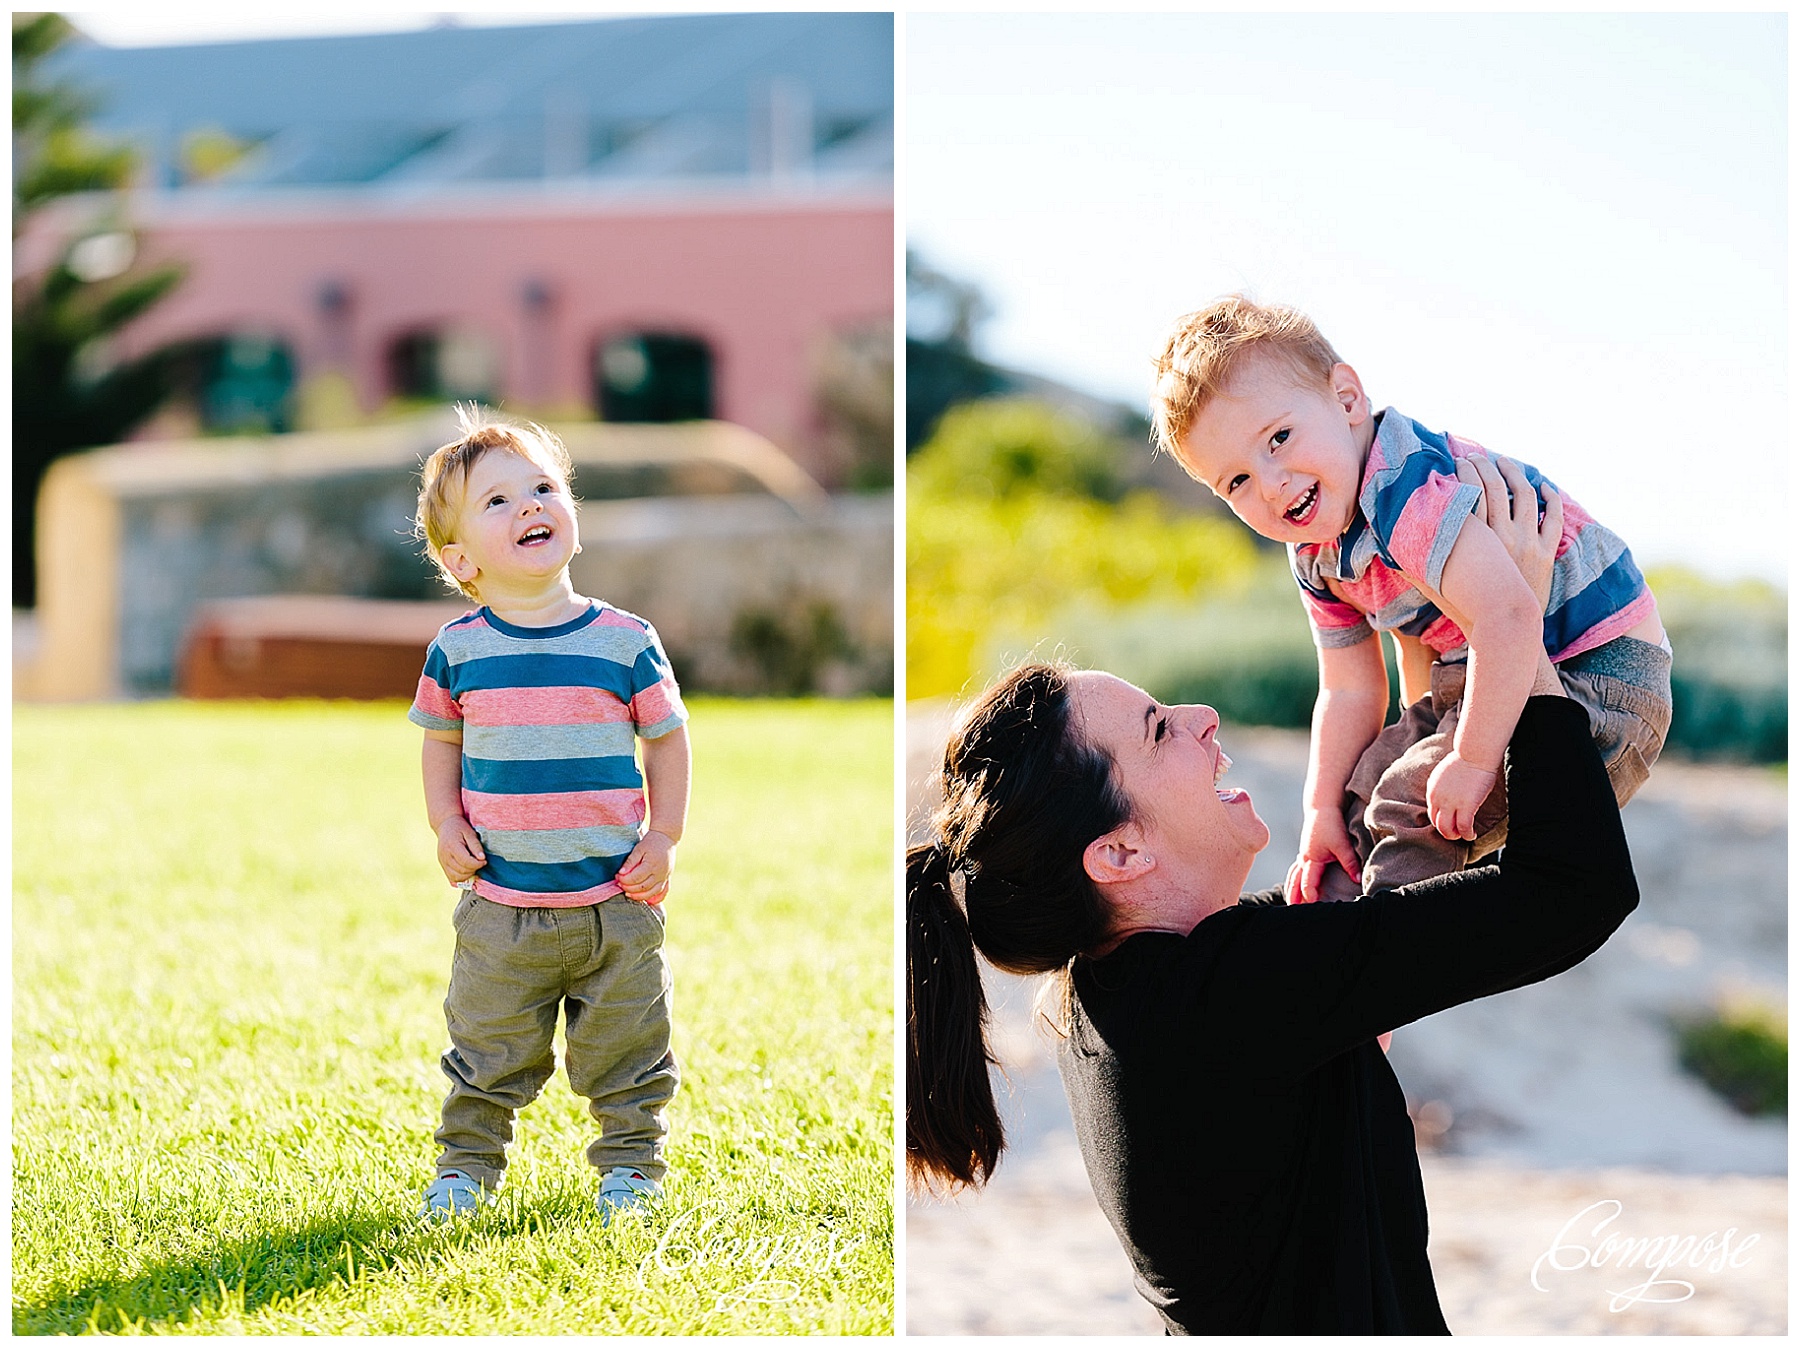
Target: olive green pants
pixel 602 967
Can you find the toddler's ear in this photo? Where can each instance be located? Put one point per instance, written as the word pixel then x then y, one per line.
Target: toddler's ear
pixel 458 563
pixel 1348 389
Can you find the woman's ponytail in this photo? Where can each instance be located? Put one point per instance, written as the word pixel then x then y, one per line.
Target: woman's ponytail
pixel 953 1129
pixel 1023 796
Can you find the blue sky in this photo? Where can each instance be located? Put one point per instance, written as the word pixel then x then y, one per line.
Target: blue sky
pixel 1564 236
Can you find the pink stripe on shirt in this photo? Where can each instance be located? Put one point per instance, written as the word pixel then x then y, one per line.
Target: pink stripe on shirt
pixel 1605 630
pixel 623 807
pixel 1380 586
pixel 433 700
pixel 1443 635
pixel 612 617
pixel 653 704
pixel 518 898
pixel 545 706
pixel 1330 614
pixel 1422 519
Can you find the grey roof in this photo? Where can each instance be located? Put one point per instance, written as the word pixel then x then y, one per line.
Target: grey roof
pixel 710 96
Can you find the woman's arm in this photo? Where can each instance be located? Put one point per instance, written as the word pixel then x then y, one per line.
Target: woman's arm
pixel 1394 957
pixel 1316 980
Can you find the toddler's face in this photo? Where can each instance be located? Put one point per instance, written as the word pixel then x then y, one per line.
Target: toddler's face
pixel 1286 455
pixel 515 527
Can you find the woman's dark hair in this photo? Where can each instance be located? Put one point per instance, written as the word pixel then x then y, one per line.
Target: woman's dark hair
pixel 1024 795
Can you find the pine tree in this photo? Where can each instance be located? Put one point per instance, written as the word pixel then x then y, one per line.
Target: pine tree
pixel 67 393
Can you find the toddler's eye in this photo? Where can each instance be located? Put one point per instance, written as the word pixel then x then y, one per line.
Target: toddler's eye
pixel 1162 728
pixel 1278 439
pixel 1236 482
pixel 545 488
pixel 496 500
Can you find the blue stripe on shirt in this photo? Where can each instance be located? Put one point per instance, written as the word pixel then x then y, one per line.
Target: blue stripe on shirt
pixel 1612 590
pixel 545 671
pixel 567 877
pixel 543 776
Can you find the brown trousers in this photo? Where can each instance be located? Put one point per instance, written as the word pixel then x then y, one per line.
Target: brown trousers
pixel 602 966
pixel 1624 685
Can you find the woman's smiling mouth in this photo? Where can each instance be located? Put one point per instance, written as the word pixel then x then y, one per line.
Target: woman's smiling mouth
pixel 1230 795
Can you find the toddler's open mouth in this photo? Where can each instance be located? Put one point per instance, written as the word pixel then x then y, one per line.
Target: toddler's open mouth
pixel 537 534
pixel 1301 511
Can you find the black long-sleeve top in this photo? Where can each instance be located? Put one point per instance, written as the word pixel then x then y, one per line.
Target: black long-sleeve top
pixel 1242 1128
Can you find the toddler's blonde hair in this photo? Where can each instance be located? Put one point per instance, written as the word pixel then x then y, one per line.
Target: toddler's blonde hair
pixel 1207 346
pixel 444 475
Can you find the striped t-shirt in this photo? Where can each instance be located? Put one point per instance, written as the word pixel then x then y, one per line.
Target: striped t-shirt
pixel 549 717
pixel 1410 510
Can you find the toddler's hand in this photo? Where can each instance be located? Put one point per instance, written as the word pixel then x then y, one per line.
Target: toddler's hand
pixel 1323 840
pixel 459 849
pixel 645 874
pixel 1453 794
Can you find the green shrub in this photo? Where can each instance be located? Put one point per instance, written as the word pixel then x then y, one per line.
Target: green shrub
pixel 1741 1052
pixel 1730 676
pixel 1005 447
pixel 1715 718
pixel 1006 529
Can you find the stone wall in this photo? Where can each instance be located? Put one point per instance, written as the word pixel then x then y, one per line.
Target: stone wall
pixel 758 580
pixel 750 595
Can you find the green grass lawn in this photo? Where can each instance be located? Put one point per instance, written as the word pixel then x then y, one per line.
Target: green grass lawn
pixel 230 947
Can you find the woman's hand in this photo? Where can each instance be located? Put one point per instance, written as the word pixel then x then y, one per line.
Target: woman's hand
pixel 1509 507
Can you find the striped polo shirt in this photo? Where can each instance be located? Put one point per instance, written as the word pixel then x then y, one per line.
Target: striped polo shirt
pixel 1411 508
pixel 549 718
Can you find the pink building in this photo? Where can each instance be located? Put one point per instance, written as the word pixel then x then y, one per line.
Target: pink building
pixel 540 300
pixel 651 218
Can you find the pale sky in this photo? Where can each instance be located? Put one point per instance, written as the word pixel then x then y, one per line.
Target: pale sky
pixel 174 25
pixel 1562 236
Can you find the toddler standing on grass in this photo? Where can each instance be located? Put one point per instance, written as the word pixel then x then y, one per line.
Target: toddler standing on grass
pixel 1253 402
pixel 531 706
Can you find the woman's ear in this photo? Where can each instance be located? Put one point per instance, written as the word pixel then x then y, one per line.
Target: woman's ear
pixel 1118 856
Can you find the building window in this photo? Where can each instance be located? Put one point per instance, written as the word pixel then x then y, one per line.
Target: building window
pixel 444 365
pixel 240 384
pixel 654 376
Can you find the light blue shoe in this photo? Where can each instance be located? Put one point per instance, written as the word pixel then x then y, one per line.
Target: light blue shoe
pixel 452 1194
pixel 623 1189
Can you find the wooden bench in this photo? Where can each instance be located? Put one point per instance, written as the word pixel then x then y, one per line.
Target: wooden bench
pixel 309 646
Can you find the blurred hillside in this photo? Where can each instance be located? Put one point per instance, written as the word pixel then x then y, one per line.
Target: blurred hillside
pixel 1040 523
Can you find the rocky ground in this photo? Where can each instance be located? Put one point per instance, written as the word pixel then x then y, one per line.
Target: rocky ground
pixel 1546 1110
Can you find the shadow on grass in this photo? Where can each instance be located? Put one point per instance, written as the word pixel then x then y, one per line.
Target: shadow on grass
pixel 241 1276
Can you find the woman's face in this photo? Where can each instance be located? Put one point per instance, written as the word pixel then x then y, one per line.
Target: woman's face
pixel 1169 763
